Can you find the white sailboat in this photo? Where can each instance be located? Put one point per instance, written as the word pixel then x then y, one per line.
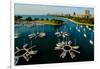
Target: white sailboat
pixel 31 35
pixel 85 35
pixel 84 29
pixel 89 28
pixel 70 28
pixel 42 34
pixel 90 41
pixel 81 26
pixel 78 29
pixel 16 35
pixel 64 34
pixel 57 33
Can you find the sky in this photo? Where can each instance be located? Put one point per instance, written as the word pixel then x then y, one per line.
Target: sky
pixel 35 9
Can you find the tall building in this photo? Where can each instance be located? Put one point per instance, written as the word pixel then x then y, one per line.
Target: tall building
pixel 87 14
pixel 74 14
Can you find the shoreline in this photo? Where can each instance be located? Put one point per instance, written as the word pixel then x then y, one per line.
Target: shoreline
pixel 55 24
pixel 41 23
pixel 47 23
pixel 79 22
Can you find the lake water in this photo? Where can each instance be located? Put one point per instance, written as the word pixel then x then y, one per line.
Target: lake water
pixel 45 46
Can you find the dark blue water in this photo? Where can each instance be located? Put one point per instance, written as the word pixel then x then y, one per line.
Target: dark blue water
pixel 45 46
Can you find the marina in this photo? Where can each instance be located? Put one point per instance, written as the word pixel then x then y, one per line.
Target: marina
pixel 50 35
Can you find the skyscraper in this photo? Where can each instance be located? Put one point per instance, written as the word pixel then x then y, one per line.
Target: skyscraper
pixel 74 14
pixel 87 13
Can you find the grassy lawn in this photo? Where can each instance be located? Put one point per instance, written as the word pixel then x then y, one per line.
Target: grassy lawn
pixel 81 23
pixel 47 22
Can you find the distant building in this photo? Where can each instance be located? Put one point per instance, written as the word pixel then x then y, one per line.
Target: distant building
pixel 74 14
pixel 87 14
pixel 68 15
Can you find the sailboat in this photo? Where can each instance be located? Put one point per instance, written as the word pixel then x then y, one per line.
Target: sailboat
pixel 70 28
pixel 87 26
pixel 84 35
pixel 57 33
pixel 31 35
pixel 90 41
pixel 81 26
pixel 64 34
pixel 16 35
pixel 84 29
pixel 78 29
pixel 42 34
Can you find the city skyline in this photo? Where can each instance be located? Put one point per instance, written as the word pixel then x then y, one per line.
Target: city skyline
pixel 33 9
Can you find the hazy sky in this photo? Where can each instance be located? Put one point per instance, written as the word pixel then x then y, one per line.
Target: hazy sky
pixel 33 9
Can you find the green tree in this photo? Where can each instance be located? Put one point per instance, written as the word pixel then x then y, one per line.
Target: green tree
pixel 35 19
pixel 18 18
pixel 28 19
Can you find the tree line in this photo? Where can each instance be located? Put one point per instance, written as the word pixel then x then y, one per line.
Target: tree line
pixel 28 19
